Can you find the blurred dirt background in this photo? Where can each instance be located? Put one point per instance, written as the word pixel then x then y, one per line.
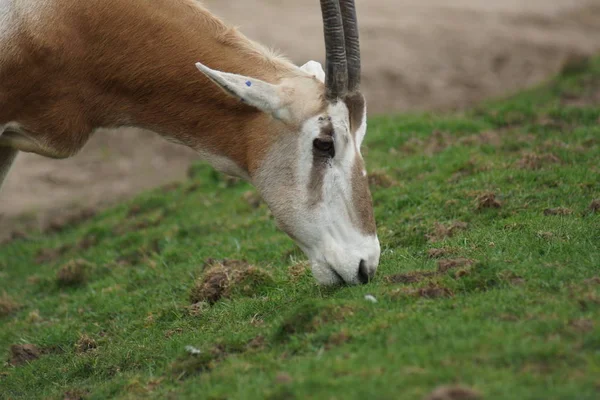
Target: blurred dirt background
pixel 417 55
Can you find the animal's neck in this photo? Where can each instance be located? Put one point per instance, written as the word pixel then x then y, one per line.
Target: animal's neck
pixel 159 87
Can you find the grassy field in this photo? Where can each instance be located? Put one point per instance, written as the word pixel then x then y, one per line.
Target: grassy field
pixel 489 282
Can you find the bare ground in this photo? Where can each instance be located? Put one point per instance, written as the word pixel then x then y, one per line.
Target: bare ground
pixel 416 56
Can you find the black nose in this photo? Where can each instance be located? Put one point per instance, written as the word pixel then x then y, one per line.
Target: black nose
pixel 363 272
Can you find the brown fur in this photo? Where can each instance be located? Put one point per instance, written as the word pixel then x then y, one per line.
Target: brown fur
pixel 91 64
pixel 362 200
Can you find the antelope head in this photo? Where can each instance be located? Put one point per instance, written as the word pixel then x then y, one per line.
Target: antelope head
pixel 312 174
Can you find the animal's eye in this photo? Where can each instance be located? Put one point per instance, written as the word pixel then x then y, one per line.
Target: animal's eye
pixel 324 147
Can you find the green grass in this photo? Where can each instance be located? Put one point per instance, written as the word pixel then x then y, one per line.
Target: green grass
pixel 520 319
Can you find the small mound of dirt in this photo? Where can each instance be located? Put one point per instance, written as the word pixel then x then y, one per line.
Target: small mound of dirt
pixel 49 255
pixel 535 161
pixel 73 273
pixel 172 332
pixel 7 305
pixel 410 277
pixel 381 179
pixel 448 264
pixel 490 138
pixel 431 291
pixel 76 217
pixel 558 211
pixel 582 325
pixel 229 277
pixel 283 378
pixel 487 200
pixel 87 242
pixel 256 343
pixel 75 394
pixel 85 344
pixel 441 232
pixel 437 253
pixel 23 353
pixel 453 392
pixel 595 206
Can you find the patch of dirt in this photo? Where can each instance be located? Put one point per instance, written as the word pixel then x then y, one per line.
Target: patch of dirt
pixel 535 161
pixel 431 291
pixel 337 339
pixel 595 206
pixel 512 278
pixel 582 325
pixel 381 179
pixel 592 281
pixel 66 220
pixel 48 255
pixel 558 211
pixel 441 231
pixel 283 378
pixel 487 200
pixel 8 305
pixel 491 138
pixel 309 316
pixel 73 273
pixel 76 394
pixel 256 343
pixel 441 252
pixel 410 277
pixel 172 332
pixel 85 344
pixel 454 392
pixel 448 264
pixel 228 277
pixel 23 353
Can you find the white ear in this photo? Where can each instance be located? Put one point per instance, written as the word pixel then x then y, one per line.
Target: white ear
pixel 262 95
pixel 315 69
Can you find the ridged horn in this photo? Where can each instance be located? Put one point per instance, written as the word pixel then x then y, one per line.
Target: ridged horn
pixel 336 65
pixel 352 45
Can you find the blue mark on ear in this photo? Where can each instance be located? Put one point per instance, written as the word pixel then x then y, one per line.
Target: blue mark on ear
pixel 248 83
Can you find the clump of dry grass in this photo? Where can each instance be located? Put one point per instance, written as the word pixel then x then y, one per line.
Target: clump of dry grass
pixel 23 353
pixel 8 305
pixel 487 200
pixel 85 344
pixel 441 231
pixel 223 279
pixel 73 273
pixel 558 211
pixel 535 161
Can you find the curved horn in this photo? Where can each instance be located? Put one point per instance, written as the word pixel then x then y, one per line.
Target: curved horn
pixel 336 77
pixel 352 43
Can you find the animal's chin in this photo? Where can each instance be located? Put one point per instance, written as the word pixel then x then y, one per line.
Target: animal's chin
pixel 326 276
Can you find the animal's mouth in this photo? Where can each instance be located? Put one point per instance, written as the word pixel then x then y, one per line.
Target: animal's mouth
pixel 336 274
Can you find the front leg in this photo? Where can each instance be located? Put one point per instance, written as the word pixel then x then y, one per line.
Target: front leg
pixel 7 156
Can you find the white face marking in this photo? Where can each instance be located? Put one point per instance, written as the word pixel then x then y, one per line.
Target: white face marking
pixel 326 231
